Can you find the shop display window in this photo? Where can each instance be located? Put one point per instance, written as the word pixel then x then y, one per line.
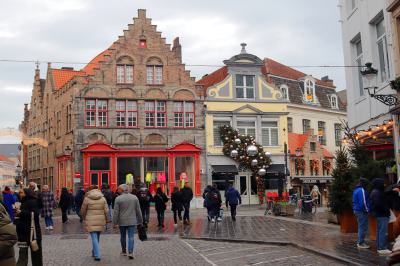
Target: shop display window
pixel 184 170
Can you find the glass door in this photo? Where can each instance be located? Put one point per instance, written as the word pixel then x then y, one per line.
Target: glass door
pixel 246 184
pixel 99 178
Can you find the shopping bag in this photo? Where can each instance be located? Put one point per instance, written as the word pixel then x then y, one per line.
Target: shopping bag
pixel 142 232
pixel 392 218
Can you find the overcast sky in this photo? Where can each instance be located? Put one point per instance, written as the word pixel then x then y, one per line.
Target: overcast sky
pixel 293 32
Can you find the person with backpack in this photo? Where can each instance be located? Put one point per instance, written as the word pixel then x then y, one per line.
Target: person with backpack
pixel 232 197
pixel 8 238
pixel 145 198
pixel 177 205
pixel 206 203
pixel 187 196
pixel 214 201
pixel 108 195
pixel 160 200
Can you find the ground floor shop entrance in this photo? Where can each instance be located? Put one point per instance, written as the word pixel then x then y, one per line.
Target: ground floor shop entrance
pixel 165 168
pixel 246 184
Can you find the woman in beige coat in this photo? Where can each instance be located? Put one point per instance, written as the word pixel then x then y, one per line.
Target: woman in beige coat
pixel 95 214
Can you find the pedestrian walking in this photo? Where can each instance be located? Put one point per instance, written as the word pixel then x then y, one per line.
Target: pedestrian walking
pixel 187 196
pixel 145 198
pixel 79 197
pixel 207 203
pixel 95 214
pixel 108 195
pixel 34 187
pixel 127 215
pixel 24 221
pixel 9 201
pixel 65 202
pixel 160 200
pixel 72 202
pixel 381 211
pixel 361 208
pixel 8 238
pixel 214 202
pixel 177 205
pixel 233 199
pixel 49 203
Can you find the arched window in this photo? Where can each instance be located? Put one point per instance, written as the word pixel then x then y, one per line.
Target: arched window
pixel 154 71
pixel 334 101
pixel 309 90
pixel 125 70
pixel 285 92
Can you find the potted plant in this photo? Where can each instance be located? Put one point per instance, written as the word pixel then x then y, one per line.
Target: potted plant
pixel 340 200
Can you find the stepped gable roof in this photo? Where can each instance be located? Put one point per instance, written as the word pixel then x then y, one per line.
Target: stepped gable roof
pixel 95 62
pixel 297 141
pixel 62 76
pixel 275 68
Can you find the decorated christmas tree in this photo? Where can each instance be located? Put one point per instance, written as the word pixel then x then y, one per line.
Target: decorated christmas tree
pixel 248 153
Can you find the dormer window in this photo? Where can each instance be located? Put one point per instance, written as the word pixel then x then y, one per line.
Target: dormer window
pixel 285 92
pixel 334 101
pixel 309 91
pixel 244 86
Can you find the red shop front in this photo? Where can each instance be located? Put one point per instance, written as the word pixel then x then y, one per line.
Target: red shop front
pixel 165 168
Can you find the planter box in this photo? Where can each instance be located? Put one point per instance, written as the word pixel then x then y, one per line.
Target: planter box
pixel 348 222
pixel 372 229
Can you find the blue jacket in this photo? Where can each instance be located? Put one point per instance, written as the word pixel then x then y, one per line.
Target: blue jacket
pixel 8 200
pixel 232 197
pixel 361 202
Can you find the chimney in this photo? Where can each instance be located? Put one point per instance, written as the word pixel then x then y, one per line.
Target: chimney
pixel 177 49
pixel 327 80
pixel 141 13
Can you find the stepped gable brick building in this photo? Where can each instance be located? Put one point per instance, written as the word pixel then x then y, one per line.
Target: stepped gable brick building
pixel 133 112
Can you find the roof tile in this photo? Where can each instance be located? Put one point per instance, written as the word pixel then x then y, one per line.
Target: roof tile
pixel 62 76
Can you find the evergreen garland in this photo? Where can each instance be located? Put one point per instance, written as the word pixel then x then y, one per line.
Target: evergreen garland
pixel 229 136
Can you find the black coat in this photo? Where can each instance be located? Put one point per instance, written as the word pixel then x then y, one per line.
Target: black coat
pixel 159 201
pixel 177 201
pixel 23 221
pixel 379 201
pixel 187 194
pixel 65 201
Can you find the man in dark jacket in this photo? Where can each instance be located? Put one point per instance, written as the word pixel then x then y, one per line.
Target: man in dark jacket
pixel 187 196
pixel 232 197
pixel 380 209
pixel 65 203
pixel 8 238
pixel 108 195
pixel 145 198
pixel 361 208
pixel 215 201
pixel 79 197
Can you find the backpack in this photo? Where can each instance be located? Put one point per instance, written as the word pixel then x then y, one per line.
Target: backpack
pixel 212 196
pixel 142 195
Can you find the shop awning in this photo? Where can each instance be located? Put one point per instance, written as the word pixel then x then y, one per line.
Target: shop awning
pixel 225 169
pixel 277 169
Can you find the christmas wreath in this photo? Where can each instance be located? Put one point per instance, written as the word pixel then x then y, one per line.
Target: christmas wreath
pixel 248 153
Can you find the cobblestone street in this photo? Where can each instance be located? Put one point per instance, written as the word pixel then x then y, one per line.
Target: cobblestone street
pixel 253 240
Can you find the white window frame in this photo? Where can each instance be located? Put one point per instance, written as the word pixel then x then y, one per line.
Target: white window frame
pixel 270 133
pixel 285 92
pixel 245 88
pixel 358 61
pixel 322 137
pixel 309 84
pixel 246 128
pixel 220 119
pixel 334 101
pixel 381 40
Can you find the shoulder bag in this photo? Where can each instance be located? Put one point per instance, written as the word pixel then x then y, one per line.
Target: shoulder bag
pixel 33 243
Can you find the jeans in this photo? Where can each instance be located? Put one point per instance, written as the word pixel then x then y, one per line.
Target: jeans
pixel 381 232
pixel 64 216
pixel 160 217
pixel 48 221
pixel 37 258
pixel 131 232
pixel 233 211
pixel 179 214
pixel 95 244
pixel 186 207
pixel 362 221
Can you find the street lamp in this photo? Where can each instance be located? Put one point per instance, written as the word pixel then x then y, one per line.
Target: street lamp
pixel 67 150
pixel 18 174
pixel 370 81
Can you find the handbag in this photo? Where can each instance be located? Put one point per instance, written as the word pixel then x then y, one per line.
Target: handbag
pixel 33 243
pixel 142 232
pixel 392 218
